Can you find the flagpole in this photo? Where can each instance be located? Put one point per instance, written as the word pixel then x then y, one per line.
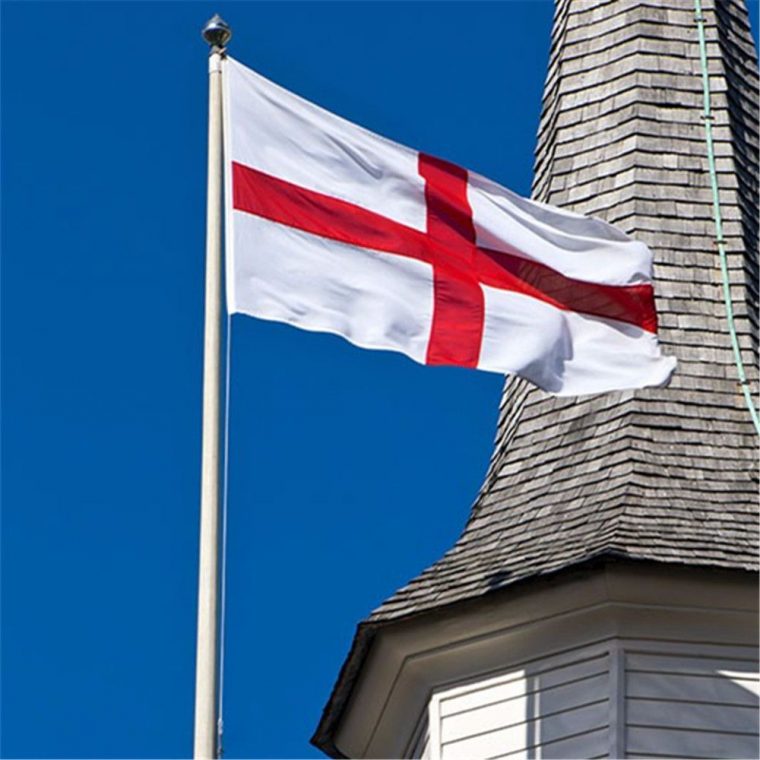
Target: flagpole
pixel 217 34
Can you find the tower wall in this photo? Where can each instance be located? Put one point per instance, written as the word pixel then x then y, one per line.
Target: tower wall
pixel 622 697
pixel 663 479
pixel 618 660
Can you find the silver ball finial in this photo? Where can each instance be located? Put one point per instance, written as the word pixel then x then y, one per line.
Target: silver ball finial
pixel 217 32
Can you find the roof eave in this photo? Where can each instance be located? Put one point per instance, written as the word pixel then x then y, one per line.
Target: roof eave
pixel 366 632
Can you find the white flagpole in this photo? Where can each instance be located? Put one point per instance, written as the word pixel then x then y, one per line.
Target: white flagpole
pixel 217 34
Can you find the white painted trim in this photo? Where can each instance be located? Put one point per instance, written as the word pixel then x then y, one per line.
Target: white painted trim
pixel 410 660
pixel 617 700
pixel 434 719
pixel 729 651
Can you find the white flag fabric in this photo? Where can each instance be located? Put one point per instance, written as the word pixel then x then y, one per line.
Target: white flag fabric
pixel 332 228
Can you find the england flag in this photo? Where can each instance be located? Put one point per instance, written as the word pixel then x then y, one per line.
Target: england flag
pixel 332 228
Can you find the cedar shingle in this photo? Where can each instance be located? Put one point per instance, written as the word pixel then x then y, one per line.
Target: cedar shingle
pixel 661 474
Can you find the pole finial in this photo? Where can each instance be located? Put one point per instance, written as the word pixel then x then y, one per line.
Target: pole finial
pixel 217 33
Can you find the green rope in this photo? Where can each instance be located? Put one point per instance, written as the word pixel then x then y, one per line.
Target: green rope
pixel 708 118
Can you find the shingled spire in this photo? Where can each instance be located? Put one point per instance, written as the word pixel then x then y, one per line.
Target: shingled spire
pixel 668 474
pixel 658 475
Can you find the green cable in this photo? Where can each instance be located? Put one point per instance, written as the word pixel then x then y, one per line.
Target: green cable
pixel 707 117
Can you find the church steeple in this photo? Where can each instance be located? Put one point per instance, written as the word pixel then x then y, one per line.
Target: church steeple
pixel 661 478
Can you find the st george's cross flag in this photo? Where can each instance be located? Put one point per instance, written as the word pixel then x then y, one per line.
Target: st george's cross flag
pixel 332 228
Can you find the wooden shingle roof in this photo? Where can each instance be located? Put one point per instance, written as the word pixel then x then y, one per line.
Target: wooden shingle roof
pixel 665 475
pixel 660 474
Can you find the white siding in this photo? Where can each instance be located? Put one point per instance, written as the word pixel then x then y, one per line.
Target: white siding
pixel 555 706
pixel 678 700
pixel 691 705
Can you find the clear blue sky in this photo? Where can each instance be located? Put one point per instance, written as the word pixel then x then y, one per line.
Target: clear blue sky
pixel 351 470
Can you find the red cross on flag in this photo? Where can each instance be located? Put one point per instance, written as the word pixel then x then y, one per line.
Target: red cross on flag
pixel 333 228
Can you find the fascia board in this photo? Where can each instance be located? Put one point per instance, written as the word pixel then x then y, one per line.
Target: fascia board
pixel 407 661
